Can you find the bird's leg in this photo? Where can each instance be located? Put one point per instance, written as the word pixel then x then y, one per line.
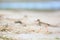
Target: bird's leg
pixel 46 26
pixel 39 23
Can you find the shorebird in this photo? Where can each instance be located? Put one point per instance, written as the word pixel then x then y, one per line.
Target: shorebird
pixel 45 24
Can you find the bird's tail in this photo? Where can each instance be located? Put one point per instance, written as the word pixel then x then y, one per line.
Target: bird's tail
pixel 53 25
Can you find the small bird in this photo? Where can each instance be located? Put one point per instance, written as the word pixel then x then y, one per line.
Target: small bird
pixel 42 23
pixel 45 24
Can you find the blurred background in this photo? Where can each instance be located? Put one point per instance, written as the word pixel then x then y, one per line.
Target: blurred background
pixel 30 4
pixel 26 0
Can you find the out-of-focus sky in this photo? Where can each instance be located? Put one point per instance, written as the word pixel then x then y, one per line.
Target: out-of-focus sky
pixel 26 0
pixel 32 5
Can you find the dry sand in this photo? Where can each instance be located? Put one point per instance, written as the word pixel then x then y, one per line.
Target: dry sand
pixel 47 17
